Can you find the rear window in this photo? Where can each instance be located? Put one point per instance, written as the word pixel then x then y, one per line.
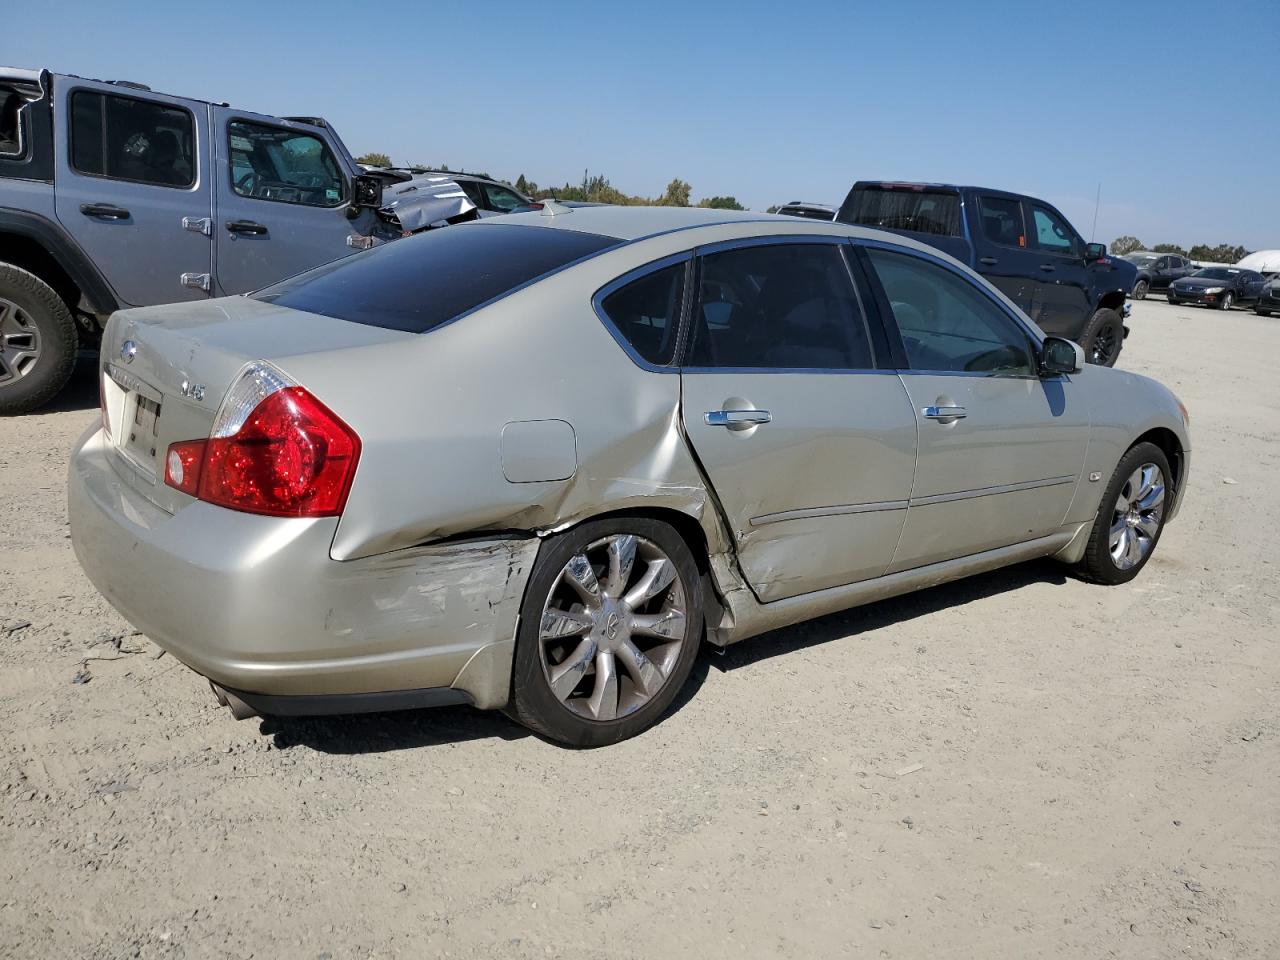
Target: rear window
pixel 904 208
pixel 418 283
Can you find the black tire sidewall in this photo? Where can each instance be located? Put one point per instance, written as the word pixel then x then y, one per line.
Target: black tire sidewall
pixel 1101 319
pixel 58 341
pixel 532 702
pixel 1097 562
pixel 1140 290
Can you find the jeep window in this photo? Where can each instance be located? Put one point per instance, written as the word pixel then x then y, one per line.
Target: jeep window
pixel 1052 232
pixel 905 208
pixel 125 138
pixel 500 198
pixel 418 283
pixel 1002 221
pixel 284 166
pixel 11 103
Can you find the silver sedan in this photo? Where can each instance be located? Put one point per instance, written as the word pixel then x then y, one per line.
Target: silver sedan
pixel 533 462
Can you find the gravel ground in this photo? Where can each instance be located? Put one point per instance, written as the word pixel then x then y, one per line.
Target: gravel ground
pixel 1018 765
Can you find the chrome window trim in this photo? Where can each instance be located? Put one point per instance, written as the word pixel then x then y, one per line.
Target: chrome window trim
pixel 1033 333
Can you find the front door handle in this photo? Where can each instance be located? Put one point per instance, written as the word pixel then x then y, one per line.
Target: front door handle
pixel 1048 267
pixel 736 419
pixel 246 226
pixel 104 210
pixel 989 261
pixel 943 414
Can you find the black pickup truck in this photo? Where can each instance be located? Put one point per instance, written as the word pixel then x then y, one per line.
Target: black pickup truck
pixel 1022 245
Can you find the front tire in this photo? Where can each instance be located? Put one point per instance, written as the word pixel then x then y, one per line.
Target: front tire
pixel 37 341
pixel 1261 312
pixel 1103 338
pixel 1140 290
pixel 1130 518
pixel 1227 302
pixel 609 631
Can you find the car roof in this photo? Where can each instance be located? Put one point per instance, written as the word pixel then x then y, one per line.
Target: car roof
pixel 634 223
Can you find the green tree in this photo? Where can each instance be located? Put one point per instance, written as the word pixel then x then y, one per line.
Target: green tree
pixel 375 159
pixel 773 209
pixel 722 203
pixel 1124 245
pixel 677 194
pixel 1222 253
pixel 1169 248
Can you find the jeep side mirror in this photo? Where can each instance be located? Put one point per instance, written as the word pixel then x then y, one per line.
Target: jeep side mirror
pixel 366 191
pixel 1095 251
pixel 1058 355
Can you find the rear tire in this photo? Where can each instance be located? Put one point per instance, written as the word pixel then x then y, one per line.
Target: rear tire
pixel 1262 313
pixel 1103 338
pixel 1140 290
pixel 609 631
pixel 1130 517
pixel 38 341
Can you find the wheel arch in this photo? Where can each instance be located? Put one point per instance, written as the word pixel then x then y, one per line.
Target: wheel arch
pixel 1171 446
pixel 41 247
pixel 1112 300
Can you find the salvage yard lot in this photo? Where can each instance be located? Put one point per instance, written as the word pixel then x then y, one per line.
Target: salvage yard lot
pixel 1015 765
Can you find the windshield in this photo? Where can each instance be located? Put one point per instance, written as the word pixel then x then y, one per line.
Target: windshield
pixel 1215 273
pixel 421 282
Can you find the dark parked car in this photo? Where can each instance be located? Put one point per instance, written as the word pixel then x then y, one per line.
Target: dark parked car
pixel 810 211
pixel 1269 300
pixel 1221 287
pixel 1026 248
pixel 1157 270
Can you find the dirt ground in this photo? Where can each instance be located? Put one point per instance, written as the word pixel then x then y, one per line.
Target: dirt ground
pixel 1018 765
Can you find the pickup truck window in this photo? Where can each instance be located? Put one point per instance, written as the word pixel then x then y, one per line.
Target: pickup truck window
pixel 284 166
pixel 947 324
pixel 920 211
pixel 128 138
pixel 1002 221
pixel 1052 233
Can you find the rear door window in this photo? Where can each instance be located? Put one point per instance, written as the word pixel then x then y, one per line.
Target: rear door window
pixel 129 138
pixel 785 307
pixel 646 312
pixel 1002 221
pixel 423 281
pixel 904 208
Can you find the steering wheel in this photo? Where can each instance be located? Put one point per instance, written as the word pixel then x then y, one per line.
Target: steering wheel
pixel 248 183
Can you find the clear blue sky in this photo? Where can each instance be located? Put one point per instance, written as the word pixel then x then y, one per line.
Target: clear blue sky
pixel 1174 107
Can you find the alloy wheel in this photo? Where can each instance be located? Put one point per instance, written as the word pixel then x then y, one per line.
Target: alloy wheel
pixel 1103 347
pixel 1140 290
pixel 1136 517
pixel 613 627
pixel 1226 301
pixel 19 342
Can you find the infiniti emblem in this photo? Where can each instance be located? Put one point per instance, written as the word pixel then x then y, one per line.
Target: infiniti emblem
pixel 611 626
pixel 128 350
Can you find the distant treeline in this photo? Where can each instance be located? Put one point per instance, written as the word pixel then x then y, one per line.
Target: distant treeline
pixel 1221 253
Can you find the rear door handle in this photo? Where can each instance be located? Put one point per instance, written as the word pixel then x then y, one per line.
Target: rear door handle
pixel 737 419
pixel 250 227
pixel 989 261
pixel 946 414
pixel 104 210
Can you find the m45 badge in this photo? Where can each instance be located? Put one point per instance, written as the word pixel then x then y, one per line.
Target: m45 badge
pixel 193 391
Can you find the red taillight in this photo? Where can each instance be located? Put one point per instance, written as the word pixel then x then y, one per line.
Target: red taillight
pixel 291 457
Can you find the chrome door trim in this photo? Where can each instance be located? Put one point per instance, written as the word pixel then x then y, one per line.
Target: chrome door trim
pixel 804 513
pixel 991 491
pixel 736 418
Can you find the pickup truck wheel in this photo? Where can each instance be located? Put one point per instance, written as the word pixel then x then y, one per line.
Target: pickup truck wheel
pixel 37 341
pixel 1103 337
pixel 1227 303
pixel 1140 290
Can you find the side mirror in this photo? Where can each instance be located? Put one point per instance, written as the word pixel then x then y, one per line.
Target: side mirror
pixel 1058 355
pixel 1095 251
pixel 366 191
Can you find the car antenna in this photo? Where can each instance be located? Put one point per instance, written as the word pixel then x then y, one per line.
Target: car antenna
pixel 1097 201
pixel 554 208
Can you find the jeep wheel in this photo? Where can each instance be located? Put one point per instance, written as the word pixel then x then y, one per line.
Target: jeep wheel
pixel 1103 337
pixel 37 341
pixel 1140 290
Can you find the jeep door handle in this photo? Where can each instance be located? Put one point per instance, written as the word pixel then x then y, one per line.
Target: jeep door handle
pixel 104 210
pixel 737 419
pixel 943 413
pixel 250 227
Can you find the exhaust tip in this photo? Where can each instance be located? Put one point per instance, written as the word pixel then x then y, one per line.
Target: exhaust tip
pixel 239 709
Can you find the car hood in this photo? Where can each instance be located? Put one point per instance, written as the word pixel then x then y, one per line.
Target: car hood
pixel 425 200
pixel 1200 283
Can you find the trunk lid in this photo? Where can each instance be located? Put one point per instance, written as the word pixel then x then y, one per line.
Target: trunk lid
pixel 165 370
